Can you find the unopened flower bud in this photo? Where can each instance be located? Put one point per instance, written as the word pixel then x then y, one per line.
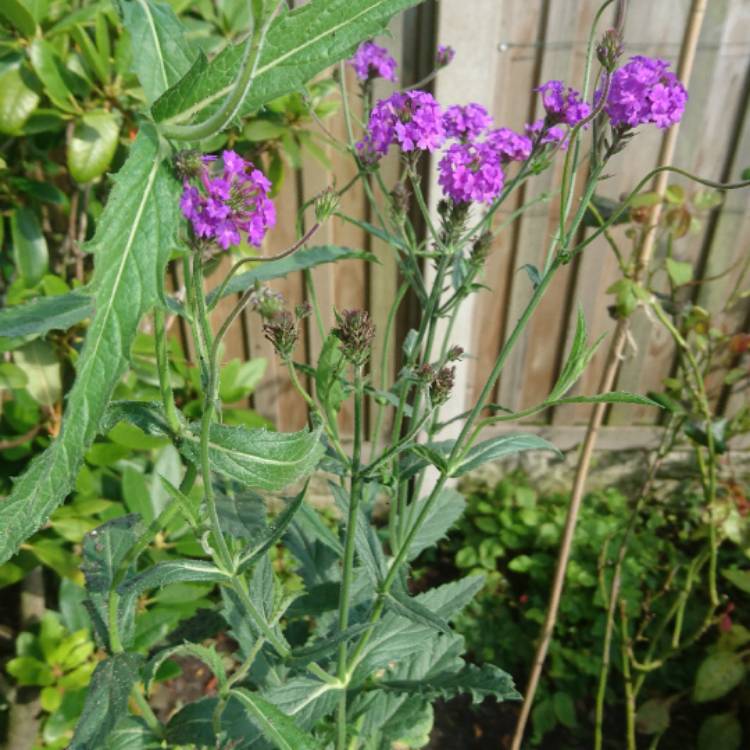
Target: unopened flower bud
pixel 442 386
pixel 189 164
pixel 425 373
pixel 400 196
pixel 444 56
pixel 303 310
pixel 609 50
pixel 266 302
pixel 481 247
pixel 356 331
pixel 281 331
pixel 326 204
pixel 455 353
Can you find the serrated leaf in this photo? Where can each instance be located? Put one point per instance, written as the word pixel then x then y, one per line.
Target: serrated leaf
pixel 171 571
pixel 718 674
pixel 132 245
pixel 480 682
pixel 93 145
pixel 406 606
pixel 147 416
pixel 299 45
pixel 258 458
pixel 163 53
pixel 105 549
pixel 448 507
pixel 106 700
pixel 242 513
pixel 320 648
pixel 498 447
pixel 207 654
pixel 300 261
pixel 18 98
pixel 275 726
pixel 44 314
pixel 29 245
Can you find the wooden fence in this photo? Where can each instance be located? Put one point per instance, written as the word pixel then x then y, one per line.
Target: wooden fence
pixel 505 48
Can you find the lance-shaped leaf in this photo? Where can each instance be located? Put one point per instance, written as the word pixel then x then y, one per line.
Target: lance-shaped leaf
pixel 134 238
pixel 163 54
pixel 498 447
pixel 300 261
pixel 275 726
pixel 258 458
pixel 44 314
pixel 208 655
pixel 106 700
pixel 171 571
pixel 299 45
pixel 447 508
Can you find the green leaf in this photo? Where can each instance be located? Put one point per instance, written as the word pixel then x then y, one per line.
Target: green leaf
pixel 679 271
pixel 275 725
pixel 320 648
pixel 29 245
pixel 740 578
pixel 105 549
pixel 487 681
pixel 448 507
pixel 238 379
pixel 406 606
pixel 258 458
pixel 299 261
pixel 718 674
pixel 18 97
pixel 132 733
pixel 163 55
pixel 91 54
pixel 12 376
pixel 50 69
pixel 17 14
pixel 720 731
pixel 652 716
pixel 327 384
pixel 171 571
pixel 30 671
pixel 44 314
pixel 93 145
pixel 208 655
pixel 565 709
pixel 498 447
pixel 299 45
pixel 132 245
pixel 147 416
pixel 106 700
pixel 39 362
pixel 613 397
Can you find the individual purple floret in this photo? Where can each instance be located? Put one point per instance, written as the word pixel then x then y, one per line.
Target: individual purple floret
pixel 471 172
pixel 444 55
pixel 554 135
pixel 563 104
pixel 466 122
pixel 511 146
pixel 645 91
pixel 234 202
pixel 411 119
pixel 373 61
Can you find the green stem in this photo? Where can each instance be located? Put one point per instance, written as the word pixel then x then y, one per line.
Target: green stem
pixel 162 366
pixel 348 562
pixel 239 585
pixel 146 712
pixel 230 107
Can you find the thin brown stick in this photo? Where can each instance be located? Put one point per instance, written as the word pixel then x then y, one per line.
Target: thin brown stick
pixel 614 356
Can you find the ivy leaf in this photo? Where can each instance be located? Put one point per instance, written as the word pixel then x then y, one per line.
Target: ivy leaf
pixel 45 314
pixel 498 447
pixel 300 261
pixel 106 700
pixel 93 145
pixel 258 458
pixel 132 245
pixel 480 682
pixel 163 54
pixel 275 725
pixel 299 45
pixel 29 245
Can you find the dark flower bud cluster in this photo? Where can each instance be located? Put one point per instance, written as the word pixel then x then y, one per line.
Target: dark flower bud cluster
pixel 609 50
pixel 442 385
pixel 481 247
pixel 356 331
pixel 444 55
pixel 455 354
pixel 281 330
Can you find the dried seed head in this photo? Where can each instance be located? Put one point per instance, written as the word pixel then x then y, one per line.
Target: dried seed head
pixel 356 331
pixel 442 386
pixel 303 310
pixel 455 354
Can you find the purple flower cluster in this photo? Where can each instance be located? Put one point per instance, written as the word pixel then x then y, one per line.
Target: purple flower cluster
pixel 563 104
pixel 236 201
pixel 444 55
pixel 645 91
pixel 553 135
pixel 411 119
pixel 471 172
pixel 373 61
pixel 510 145
pixel 465 122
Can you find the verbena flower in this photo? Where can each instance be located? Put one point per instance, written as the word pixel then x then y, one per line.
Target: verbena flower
pixel 221 208
pixel 411 119
pixel 466 122
pixel 471 172
pixel 444 55
pixel 563 104
pixel 554 134
pixel 512 146
pixel 373 61
pixel 645 91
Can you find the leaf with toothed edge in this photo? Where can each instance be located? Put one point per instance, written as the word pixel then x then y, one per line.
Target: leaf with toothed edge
pixel 134 239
